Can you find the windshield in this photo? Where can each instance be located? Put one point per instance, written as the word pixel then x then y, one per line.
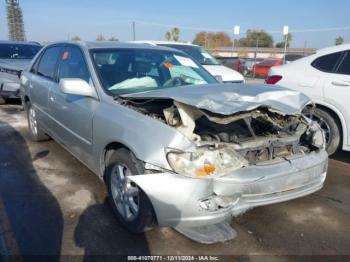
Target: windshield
pixel 197 52
pixel 18 51
pixel 125 71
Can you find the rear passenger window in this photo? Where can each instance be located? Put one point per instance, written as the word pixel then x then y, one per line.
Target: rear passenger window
pixel 73 65
pixel 48 61
pixel 327 63
pixel 344 67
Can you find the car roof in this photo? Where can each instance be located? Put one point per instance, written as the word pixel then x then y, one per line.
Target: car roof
pixel 111 45
pixel 19 43
pixel 150 42
pixel 333 49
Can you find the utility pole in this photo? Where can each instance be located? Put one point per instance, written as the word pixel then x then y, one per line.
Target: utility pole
pixel 305 45
pixel 285 33
pixel 133 31
pixel 205 40
pixel 15 21
pixel 256 51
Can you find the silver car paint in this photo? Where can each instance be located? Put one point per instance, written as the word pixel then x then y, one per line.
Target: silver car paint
pixel 228 99
pixel 174 197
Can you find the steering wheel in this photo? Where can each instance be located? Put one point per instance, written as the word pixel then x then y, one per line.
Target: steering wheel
pixel 175 81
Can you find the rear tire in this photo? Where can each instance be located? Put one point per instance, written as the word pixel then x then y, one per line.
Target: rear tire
pixel 35 132
pixel 130 204
pixel 330 125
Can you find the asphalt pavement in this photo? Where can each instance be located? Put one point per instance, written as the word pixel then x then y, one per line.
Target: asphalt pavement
pixel 51 204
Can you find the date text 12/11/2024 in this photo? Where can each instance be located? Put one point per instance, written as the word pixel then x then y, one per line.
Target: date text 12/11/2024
pixel 174 258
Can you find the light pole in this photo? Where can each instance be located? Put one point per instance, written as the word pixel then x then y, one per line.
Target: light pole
pixel 236 29
pixel 133 31
pixel 285 34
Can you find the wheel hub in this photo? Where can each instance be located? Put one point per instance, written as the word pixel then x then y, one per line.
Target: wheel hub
pixel 323 124
pixel 125 195
pixel 32 121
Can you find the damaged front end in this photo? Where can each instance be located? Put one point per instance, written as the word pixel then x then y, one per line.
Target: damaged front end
pixel 227 142
pixel 241 160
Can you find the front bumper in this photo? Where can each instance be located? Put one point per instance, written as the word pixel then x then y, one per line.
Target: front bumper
pixel 9 89
pixel 181 201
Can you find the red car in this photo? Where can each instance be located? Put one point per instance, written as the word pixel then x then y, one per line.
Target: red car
pixel 262 69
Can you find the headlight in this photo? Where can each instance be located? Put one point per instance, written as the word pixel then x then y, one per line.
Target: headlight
pixel 205 162
pixel 318 138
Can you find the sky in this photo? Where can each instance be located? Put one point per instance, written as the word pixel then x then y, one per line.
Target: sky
pixel 313 23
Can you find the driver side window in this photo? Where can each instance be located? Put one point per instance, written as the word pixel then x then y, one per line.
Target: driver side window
pixel 73 64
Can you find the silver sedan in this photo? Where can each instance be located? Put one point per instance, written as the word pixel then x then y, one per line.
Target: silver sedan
pixel 174 146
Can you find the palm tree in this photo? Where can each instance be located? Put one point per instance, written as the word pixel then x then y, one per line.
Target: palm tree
pixel 175 33
pixel 100 37
pixel 167 36
pixel 113 39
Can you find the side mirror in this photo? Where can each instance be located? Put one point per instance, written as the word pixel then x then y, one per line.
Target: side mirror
pixel 76 86
pixel 219 78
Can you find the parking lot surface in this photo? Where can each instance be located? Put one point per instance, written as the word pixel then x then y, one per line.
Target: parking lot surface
pixel 51 204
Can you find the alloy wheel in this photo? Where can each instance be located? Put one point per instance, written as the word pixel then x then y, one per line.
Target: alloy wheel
pixel 125 195
pixel 32 121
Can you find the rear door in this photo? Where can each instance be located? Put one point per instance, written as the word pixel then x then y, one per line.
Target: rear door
pixel 41 79
pixel 72 113
pixel 337 86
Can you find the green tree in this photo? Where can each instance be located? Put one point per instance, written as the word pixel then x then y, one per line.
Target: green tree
pixel 45 42
pixel 76 38
pixel 113 39
pixel 168 36
pixel 252 36
pixel 339 40
pixel 212 40
pixel 289 40
pixel 175 32
pixel 100 37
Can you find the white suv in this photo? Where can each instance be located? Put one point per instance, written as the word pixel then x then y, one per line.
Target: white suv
pixel 214 67
pixel 325 78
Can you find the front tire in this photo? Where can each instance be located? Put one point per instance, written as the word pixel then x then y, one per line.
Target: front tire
pixel 329 125
pixel 129 203
pixel 36 133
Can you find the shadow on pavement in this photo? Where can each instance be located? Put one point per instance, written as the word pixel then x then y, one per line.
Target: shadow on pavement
pixel 342 156
pixel 99 233
pixel 33 213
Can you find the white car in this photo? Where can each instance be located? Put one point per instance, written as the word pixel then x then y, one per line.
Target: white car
pixel 325 78
pixel 214 67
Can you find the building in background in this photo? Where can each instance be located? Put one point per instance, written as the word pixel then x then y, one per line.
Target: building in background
pixel 15 21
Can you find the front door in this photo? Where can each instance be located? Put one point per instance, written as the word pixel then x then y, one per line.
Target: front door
pixel 73 114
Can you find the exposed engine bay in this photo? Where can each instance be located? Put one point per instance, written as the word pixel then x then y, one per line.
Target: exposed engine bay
pixel 258 135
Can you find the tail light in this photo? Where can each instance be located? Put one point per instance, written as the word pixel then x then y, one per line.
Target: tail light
pixel 271 80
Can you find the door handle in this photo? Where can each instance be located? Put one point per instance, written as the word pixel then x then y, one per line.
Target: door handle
pixel 52 98
pixel 340 83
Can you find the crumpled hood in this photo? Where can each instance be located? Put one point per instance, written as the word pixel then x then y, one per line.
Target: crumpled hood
pixel 15 64
pixel 228 99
